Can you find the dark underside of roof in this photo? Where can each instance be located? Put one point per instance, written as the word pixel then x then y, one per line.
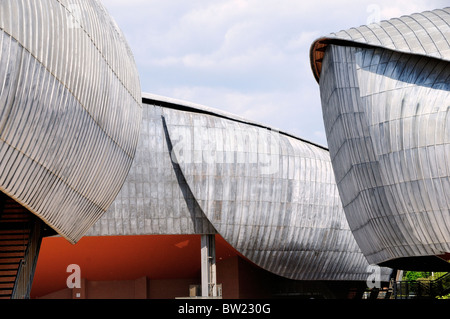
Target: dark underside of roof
pixel 421 263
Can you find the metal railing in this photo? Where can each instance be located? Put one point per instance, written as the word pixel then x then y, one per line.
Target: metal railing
pixel 422 289
pixel 25 273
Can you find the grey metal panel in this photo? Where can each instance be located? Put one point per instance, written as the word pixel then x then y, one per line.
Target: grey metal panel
pixel 155 198
pixel 69 110
pixel 386 115
pixel 424 33
pixel 271 196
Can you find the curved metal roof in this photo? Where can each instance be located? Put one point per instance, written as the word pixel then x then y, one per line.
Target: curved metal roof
pixel 425 33
pixel 385 94
pixel 70 108
pixel 271 196
pixel 199 108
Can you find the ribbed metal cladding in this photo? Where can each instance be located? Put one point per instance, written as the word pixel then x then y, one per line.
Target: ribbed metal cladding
pixel 270 195
pixel 424 34
pixel 70 109
pixel 155 198
pixel 386 111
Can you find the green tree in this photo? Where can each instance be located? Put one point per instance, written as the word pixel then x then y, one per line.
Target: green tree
pixel 414 275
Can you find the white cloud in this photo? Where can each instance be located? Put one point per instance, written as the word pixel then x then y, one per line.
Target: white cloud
pixel 249 57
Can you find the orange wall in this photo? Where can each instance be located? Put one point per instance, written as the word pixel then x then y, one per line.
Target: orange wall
pixel 159 266
pixel 114 258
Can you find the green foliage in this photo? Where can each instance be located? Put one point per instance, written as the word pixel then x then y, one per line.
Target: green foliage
pixel 414 275
pixel 437 275
pixel 422 275
pixel 425 275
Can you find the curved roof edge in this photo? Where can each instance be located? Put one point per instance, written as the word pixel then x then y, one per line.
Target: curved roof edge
pixel 198 108
pixel 394 34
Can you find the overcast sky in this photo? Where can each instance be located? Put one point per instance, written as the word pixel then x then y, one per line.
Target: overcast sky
pixel 247 57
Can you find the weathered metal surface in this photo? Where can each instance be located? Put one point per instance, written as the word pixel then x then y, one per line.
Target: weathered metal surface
pixel 385 98
pixel 424 34
pixel 272 196
pixel 70 105
pixel 155 198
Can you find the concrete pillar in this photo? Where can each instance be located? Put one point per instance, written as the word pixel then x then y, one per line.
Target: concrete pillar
pixel 208 266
